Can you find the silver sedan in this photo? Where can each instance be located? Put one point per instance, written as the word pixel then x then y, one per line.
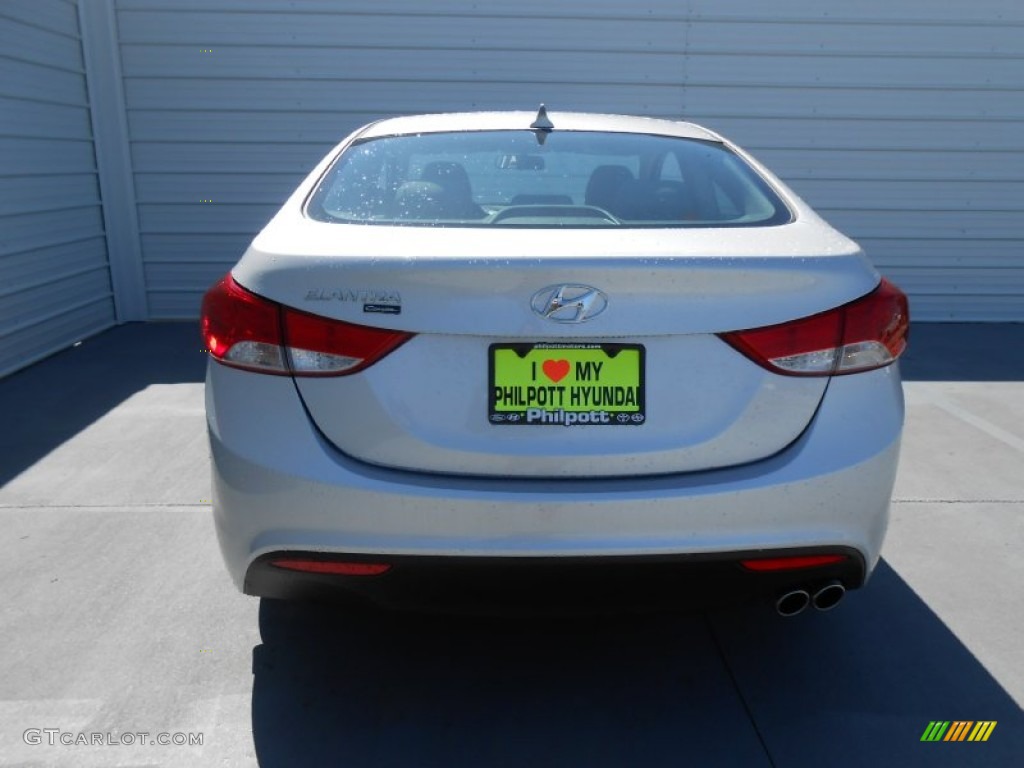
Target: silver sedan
pixel 551 358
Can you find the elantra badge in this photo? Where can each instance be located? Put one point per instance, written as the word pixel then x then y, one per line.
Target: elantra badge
pixel 569 303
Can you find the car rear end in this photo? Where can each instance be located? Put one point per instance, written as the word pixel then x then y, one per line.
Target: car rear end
pixel 550 383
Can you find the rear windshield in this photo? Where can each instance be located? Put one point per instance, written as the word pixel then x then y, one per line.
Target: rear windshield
pixel 558 179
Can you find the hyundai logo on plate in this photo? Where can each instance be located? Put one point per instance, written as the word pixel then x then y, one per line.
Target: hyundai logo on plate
pixel 569 303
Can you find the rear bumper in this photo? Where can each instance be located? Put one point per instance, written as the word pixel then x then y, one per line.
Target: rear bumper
pixel 550 584
pixel 279 487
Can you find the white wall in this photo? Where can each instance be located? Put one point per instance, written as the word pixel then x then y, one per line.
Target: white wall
pixel 54 279
pixel 902 121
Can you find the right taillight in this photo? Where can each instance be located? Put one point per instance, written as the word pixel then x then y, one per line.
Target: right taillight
pixel 868 333
pixel 247 331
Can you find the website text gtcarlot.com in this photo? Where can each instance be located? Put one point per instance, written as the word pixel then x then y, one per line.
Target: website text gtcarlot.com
pixel 55 736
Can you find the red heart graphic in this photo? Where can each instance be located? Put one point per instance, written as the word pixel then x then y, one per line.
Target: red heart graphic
pixel 556 370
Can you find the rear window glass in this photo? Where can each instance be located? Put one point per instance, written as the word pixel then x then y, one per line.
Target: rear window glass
pixel 570 179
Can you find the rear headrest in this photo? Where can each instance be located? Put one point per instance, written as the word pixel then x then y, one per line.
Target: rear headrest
pixel 419 200
pixel 450 175
pixel 605 183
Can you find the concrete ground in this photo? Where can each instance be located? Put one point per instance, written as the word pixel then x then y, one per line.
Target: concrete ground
pixel 119 619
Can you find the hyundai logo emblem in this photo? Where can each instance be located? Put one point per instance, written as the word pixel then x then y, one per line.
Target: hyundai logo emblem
pixel 569 303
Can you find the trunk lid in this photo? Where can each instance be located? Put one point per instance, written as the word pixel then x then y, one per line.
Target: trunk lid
pixel 476 300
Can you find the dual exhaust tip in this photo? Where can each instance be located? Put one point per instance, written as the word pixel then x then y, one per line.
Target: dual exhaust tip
pixel 824 598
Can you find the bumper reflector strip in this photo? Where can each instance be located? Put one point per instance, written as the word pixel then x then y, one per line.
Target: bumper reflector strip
pixel 791 563
pixel 337 568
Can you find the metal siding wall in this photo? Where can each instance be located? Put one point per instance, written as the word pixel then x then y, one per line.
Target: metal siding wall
pixel 902 122
pixel 283 82
pixel 54 277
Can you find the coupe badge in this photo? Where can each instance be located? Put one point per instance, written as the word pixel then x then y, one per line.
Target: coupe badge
pixel 569 303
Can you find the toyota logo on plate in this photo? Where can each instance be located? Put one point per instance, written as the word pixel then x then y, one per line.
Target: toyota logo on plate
pixel 569 303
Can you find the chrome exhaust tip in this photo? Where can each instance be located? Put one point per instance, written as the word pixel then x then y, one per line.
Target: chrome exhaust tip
pixel 829 596
pixel 792 603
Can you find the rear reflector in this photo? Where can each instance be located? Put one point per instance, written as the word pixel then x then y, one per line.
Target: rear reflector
pixel 791 563
pixel 337 568
pixel 246 331
pixel 868 333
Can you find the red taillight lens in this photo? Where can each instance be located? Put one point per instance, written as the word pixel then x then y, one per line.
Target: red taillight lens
pixel 880 319
pixel 242 329
pixel 791 563
pixel 337 568
pixel 246 331
pixel 868 333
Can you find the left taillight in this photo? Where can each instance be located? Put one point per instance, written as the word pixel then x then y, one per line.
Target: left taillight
pixel 242 329
pixel 247 331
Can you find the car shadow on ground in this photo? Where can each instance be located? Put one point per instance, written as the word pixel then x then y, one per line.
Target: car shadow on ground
pixel 46 404
pixel 741 686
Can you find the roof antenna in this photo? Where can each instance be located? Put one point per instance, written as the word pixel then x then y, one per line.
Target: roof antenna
pixel 542 125
pixel 543 122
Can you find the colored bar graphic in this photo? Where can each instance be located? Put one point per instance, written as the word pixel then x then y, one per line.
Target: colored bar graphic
pixel 958 730
pixel 935 730
pixel 982 730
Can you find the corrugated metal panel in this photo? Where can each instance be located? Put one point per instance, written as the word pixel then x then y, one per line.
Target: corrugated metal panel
pixel 902 122
pixel 54 275
pixel 240 124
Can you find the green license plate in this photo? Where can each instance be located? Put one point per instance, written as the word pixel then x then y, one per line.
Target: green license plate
pixel 566 384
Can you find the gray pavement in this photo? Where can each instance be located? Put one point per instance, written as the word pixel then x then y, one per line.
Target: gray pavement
pixel 119 618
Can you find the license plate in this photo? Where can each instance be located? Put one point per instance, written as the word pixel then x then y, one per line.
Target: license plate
pixel 566 384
